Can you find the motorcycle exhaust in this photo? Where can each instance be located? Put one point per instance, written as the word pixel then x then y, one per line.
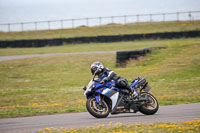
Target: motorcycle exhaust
pixel 140 100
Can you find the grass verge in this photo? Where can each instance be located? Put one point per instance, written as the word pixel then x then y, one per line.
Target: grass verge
pixel 111 29
pixel 82 47
pixel 53 84
pixel 183 127
pixel 96 47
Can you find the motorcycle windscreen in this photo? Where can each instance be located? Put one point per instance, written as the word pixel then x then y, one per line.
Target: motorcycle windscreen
pixel 112 94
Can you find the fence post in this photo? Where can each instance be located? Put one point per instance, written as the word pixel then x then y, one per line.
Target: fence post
pixel 22 28
pixel 61 24
pixel 163 17
pixel 138 18
pixel 150 16
pixel 35 25
pixel 112 19
pixel 177 16
pixel 125 19
pixel 99 21
pixel 8 27
pixel 190 16
pixel 72 23
pixel 87 22
pixel 49 25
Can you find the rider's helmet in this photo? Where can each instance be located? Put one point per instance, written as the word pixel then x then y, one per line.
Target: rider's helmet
pixel 97 68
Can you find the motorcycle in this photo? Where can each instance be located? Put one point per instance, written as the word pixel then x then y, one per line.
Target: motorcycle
pixel 106 98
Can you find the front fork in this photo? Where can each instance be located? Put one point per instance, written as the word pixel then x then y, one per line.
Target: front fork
pixel 99 100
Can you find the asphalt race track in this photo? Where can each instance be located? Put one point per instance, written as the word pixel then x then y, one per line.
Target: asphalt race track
pixel 172 113
pixel 12 57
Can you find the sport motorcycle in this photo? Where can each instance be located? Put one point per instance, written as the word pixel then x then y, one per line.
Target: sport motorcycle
pixel 107 98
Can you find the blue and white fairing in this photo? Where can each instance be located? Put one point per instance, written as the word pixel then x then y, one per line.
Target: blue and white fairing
pixel 107 90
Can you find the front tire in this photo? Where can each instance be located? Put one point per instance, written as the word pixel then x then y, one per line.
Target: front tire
pixel 97 110
pixel 151 107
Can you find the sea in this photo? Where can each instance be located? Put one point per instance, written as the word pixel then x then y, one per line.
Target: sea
pixel 22 15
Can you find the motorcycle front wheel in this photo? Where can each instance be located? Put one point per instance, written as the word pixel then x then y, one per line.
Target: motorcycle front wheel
pixel 151 107
pixel 97 110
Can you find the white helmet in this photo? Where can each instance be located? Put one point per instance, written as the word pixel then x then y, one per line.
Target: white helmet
pixel 96 66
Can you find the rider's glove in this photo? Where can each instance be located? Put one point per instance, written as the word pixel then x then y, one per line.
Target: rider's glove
pixel 104 80
pixel 84 88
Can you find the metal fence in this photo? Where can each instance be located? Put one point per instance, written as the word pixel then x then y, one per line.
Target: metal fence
pixel 98 21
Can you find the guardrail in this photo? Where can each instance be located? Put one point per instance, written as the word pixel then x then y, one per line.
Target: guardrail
pixel 96 39
pixel 98 21
pixel 123 56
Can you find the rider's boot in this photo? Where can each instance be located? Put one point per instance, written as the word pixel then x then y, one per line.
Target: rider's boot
pixel 134 93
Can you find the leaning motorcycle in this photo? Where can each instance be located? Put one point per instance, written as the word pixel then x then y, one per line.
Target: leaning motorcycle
pixel 106 98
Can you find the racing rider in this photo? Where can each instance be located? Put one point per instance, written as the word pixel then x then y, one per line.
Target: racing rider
pixel 105 74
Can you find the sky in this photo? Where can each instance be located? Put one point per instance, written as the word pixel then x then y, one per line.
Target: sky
pixel 36 10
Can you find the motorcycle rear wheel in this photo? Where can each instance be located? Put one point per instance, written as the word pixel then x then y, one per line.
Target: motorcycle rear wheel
pixel 149 108
pixel 97 110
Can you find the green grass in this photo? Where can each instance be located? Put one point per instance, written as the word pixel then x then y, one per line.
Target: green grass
pixel 93 47
pixel 82 47
pixel 183 127
pixel 111 29
pixel 53 84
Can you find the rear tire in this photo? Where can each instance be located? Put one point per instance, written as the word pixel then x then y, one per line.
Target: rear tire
pixel 95 110
pixel 150 108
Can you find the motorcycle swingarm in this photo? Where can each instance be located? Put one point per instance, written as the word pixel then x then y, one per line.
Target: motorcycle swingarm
pixel 140 100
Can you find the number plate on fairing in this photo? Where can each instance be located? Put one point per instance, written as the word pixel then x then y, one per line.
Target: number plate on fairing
pixel 147 88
